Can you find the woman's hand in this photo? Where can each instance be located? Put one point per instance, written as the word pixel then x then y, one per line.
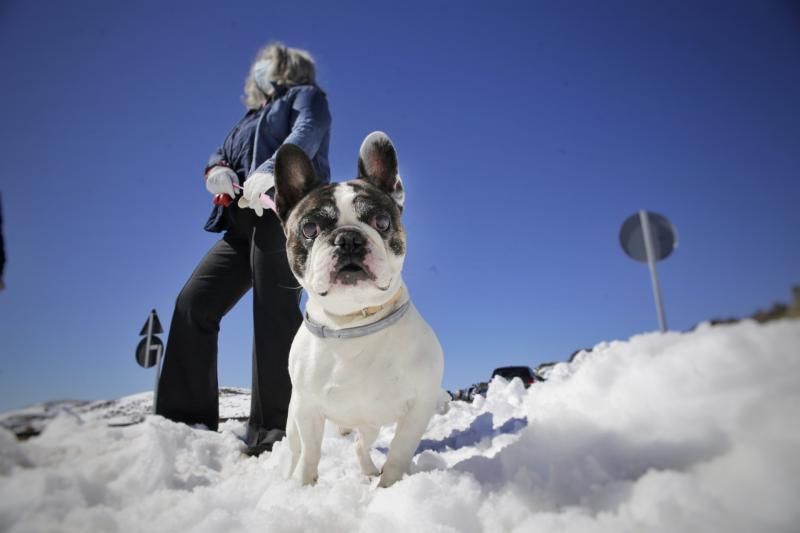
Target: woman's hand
pixel 254 186
pixel 220 180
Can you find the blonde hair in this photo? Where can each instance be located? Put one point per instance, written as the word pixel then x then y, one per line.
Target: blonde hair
pixel 291 66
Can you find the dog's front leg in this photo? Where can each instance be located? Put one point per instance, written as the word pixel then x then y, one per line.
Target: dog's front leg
pixel 406 439
pixel 292 436
pixel 365 437
pixel 310 425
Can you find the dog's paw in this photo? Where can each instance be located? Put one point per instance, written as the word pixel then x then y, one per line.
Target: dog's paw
pixel 390 476
pixel 307 480
pixel 370 470
pixel 306 476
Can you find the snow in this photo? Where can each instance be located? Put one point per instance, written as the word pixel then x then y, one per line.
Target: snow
pixel 664 432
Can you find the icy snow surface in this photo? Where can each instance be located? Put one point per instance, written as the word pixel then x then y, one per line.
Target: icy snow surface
pixel 693 432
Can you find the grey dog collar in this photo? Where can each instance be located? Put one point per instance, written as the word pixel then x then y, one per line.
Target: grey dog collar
pixel 359 331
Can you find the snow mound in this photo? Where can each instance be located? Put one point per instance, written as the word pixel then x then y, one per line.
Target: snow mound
pixel 665 432
pixel 233 404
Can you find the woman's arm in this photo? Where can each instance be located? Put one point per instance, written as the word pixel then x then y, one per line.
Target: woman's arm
pixel 216 159
pixel 311 120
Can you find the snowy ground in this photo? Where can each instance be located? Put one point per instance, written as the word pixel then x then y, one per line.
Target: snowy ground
pixel 675 433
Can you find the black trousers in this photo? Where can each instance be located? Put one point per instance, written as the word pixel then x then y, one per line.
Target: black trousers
pixel 251 254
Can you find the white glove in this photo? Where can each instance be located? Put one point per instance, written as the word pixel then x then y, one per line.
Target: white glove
pixel 220 180
pixel 254 186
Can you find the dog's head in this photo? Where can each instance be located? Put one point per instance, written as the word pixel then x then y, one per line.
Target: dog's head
pixel 345 241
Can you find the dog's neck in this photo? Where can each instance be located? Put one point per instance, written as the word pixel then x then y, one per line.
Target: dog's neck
pixel 364 315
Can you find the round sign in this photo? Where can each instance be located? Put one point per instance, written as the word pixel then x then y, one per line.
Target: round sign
pixel 664 236
pixel 146 360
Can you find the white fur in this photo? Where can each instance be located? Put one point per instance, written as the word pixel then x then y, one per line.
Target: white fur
pixel 391 376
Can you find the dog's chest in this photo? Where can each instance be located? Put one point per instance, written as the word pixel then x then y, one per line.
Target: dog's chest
pixel 360 383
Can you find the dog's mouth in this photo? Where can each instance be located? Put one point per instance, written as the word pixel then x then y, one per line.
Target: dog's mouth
pixel 350 272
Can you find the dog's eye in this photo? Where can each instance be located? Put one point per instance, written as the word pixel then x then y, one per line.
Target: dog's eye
pixel 310 230
pixel 381 222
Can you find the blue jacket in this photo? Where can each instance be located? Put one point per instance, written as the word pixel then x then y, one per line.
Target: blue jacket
pixel 297 115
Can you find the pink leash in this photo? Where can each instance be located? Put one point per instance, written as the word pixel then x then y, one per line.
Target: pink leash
pixel 225 200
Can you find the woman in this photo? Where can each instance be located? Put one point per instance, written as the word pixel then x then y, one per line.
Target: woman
pixel 284 105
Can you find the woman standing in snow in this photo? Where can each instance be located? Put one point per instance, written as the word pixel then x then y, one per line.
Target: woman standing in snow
pixel 284 105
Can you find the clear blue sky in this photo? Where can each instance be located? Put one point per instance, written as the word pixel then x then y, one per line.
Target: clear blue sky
pixel 526 131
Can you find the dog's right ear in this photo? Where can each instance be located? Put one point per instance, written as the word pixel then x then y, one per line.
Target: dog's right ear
pixel 294 178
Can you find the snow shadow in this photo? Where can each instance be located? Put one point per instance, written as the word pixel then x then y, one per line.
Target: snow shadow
pixel 481 428
pixel 575 463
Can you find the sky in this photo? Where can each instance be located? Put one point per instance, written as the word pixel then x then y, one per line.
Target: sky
pixel 526 132
pixel 699 433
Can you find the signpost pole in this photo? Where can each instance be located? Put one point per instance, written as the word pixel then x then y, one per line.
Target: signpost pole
pixel 159 349
pixel 651 262
pixel 150 349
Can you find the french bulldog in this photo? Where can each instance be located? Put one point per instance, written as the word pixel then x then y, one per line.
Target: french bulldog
pixel 364 357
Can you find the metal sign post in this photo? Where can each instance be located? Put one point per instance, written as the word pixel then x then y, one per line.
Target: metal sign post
pixel 651 262
pixel 150 348
pixel 649 237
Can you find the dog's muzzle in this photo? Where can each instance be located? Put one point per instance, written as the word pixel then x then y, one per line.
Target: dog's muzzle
pixel 350 251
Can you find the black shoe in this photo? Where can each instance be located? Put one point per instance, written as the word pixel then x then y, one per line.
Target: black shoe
pixel 262 441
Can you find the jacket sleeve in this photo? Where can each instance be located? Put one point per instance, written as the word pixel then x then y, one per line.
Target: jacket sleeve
pixel 311 122
pixel 215 159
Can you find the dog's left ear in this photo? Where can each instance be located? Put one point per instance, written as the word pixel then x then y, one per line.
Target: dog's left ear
pixel 294 178
pixel 377 163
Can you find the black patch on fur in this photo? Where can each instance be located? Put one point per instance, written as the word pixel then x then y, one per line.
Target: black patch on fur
pixel 371 201
pixel 362 186
pixel 397 245
pixel 319 207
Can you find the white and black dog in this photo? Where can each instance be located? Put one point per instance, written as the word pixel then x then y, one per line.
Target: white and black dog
pixel 364 357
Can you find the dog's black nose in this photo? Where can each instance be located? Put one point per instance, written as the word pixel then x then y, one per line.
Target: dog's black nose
pixel 350 241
